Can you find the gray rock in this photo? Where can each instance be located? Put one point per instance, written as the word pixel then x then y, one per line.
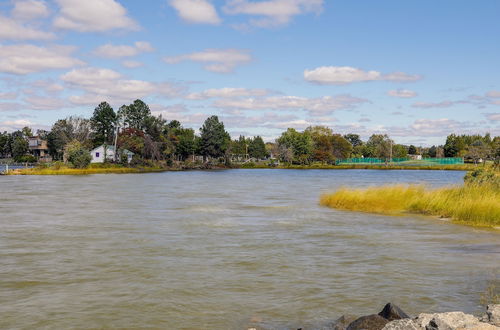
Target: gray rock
pixel 343 322
pixel 451 321
pixel 403 324
pixel 493 315
pixel 392 312
pixel 369 322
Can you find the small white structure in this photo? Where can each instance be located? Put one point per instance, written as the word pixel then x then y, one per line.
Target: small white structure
pixel 99 152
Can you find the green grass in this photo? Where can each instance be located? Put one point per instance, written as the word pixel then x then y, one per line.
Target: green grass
pixel 471 204
pixel 92 169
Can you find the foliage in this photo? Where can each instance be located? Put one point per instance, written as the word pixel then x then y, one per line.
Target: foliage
pixel 301 144
pixel 214 138
pixel 476 203
pixel 257 148
pixel 78 156
pixel 134 115
pixel 67 130
pixel 103 123
pixel 19 148
pixel 380 146
pixel 353 139
pixel 132 139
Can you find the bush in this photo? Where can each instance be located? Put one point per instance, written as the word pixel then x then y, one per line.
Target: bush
pixel 78 156
pixel 25 159
pixel 482 177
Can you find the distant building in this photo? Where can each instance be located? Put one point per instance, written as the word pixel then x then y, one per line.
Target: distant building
pixel 38 148
pixel 99 153
pixel 415 157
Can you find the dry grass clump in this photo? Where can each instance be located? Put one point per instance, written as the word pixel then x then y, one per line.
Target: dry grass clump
pixel 472 204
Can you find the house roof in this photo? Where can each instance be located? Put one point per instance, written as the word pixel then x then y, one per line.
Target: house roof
pixel 112 148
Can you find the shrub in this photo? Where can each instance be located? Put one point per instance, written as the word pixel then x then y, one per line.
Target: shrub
pixel 78 156
pixel 25 159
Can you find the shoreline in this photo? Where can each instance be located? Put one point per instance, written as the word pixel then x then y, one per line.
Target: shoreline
pixel 138 170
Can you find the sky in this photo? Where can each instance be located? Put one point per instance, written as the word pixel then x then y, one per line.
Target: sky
pixel 415 70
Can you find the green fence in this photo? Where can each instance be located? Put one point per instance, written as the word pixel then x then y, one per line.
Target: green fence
pixel 402 161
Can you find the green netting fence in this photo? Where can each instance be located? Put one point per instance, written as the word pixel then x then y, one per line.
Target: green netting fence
pixel 402 161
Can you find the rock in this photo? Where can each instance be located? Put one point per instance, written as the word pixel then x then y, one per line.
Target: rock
pixel 392 312
pixel 369 322
pixel 451 321
pixel 493 315
pixel 343 322
pixel 403 324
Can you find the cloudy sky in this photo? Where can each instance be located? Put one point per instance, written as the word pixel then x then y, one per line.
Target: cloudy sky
pixel 416 70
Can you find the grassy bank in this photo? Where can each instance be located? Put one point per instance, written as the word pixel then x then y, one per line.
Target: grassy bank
pixel 65 170
pixel 475 203
pixel 318 166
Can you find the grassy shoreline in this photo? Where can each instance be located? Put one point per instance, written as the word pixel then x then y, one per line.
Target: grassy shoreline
pixel 84 171
pixel 471 204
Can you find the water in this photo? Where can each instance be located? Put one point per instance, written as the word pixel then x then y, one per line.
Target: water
pixel 225 250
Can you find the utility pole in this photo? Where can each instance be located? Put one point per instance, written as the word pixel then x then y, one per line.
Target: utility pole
pixel 116 140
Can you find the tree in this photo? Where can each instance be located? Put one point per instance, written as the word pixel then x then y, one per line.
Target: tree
pixel 103 123
pixel 257 148
pixel 27 132
pixel 301 144
pixel 4 146
pixel 381 145
pixel 214 138
pixel 134 115
pixel 77 155
pixel 19 148
pixel 341 147
pixel 399 151
pixel 354 139
pixel 240 147
pixel 132 139
pixel 66 130
pixel 187 142
pixel 412 150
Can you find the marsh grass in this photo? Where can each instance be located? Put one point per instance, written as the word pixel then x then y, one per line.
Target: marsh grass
pixel 471 204
pixel 92 169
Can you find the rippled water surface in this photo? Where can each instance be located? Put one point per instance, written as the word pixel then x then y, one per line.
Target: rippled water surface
pixel 225 250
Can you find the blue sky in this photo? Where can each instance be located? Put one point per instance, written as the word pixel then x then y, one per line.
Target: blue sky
pixel 416 70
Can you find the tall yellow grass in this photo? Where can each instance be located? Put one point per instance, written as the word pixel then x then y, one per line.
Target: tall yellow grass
pixel 472 204
pixel 83 171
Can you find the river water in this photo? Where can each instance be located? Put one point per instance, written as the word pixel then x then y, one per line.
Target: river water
pixel 225 250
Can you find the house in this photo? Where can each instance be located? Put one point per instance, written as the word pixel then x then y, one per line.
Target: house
pixel 99 153
pixel 38 148
pixel 415 157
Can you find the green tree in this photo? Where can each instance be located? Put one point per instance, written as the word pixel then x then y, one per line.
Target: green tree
pixel 342 148
pixel 27 132
pixel 214 138
pixel 19 148
pixel 412 150
pixel 134 115
pixel 78 156
pixel 103 122
pixel 354 139
pixel 4 147
pixel 399 151
pixel 381 145
pixel 301 144
pixel 187 142
pixel 257 148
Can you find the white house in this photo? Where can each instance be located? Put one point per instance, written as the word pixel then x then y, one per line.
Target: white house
pixel 98 154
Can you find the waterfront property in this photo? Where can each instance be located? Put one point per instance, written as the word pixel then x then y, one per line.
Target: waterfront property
pixel 107 152
pixel 39 149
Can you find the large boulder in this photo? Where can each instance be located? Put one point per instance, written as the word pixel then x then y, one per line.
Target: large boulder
pixel 343 322
pixel 492 315
pixel 451 321
pixel 403 324
pixel 369 322
pixel 392 312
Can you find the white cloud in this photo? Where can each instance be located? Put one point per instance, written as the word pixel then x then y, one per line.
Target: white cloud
pixel 8 96
pixel 13 125
pixel 116 51
pixel 93 16
pixel 493 94
pixel 403 93
pixel 196 11
pixel 215 60
pixel 493 116
pixel 228 92
pixel 24 59
pixel 44 103
pixel 442 104
pixel 316 106
pixel 341 75
pixel 11 29
pixel 105 84
pixel 132 64
pixel 272 12
pixel 30 9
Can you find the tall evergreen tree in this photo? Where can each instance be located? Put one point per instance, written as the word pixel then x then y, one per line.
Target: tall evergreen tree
pixel 214 138
pixel 103 123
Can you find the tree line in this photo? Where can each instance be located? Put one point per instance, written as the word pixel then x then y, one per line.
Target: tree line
pixel 153 138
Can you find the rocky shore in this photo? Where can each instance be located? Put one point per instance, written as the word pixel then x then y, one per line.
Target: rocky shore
pixel 391 317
